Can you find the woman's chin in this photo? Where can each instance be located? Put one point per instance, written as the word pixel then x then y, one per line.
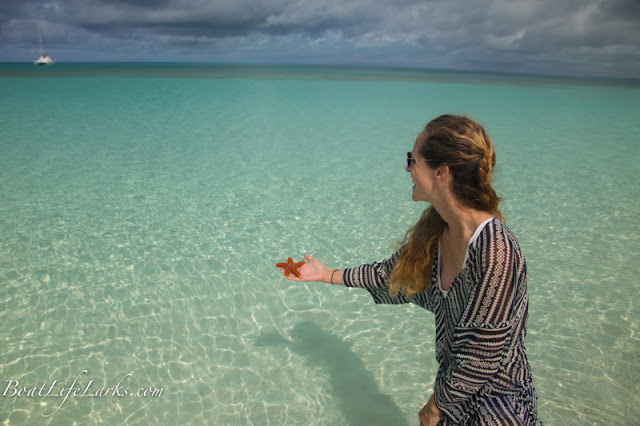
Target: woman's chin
pixel 416 196
pixel 413 194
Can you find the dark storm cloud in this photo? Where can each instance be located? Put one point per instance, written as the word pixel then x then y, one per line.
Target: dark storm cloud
pixel 236 17
pixel 516 35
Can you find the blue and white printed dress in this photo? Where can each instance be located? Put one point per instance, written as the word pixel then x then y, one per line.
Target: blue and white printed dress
pixel 484 377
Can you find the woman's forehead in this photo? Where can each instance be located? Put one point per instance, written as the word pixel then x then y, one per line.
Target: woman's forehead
pixel 420 139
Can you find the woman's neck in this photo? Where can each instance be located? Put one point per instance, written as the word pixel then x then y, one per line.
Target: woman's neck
pixel 461 221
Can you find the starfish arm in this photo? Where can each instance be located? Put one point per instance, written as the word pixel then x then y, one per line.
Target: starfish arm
pixel 291 267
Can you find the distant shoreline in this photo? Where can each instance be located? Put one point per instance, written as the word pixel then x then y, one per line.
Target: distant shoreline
pixel 297 71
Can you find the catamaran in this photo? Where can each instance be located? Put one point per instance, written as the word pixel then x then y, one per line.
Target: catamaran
pixel 43 59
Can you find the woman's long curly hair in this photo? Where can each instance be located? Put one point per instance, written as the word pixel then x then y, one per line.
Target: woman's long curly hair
pixel 464 146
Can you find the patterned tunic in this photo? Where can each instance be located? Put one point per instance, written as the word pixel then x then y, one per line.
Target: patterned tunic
pixel 481 322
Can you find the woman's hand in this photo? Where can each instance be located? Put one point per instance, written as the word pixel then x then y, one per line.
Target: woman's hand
pixel 312 270
pixel 430 414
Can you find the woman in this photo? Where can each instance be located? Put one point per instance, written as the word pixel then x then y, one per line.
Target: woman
pixel 462 263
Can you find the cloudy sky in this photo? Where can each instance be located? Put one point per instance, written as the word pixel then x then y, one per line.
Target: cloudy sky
pixel 575 37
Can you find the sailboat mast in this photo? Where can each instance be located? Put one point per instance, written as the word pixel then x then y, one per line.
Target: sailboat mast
pixel 40 40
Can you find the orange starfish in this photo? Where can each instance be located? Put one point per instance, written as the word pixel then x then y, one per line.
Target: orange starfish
pixel 290 267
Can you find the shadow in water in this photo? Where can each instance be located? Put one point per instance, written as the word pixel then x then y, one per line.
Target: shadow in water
pixel 353 388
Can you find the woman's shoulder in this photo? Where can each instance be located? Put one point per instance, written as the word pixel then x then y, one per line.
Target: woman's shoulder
pixel 496 235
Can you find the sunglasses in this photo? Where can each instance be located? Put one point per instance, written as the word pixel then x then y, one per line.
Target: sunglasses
pixel 410 159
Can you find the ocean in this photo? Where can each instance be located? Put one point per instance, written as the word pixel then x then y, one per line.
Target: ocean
pixel 143 207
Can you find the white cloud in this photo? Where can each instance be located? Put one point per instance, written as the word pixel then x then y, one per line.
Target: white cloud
pixel 509 41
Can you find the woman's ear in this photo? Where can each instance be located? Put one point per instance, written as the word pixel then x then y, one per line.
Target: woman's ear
pixel 443 171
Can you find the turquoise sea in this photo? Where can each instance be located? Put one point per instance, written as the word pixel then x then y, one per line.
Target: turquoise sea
pixel 143 206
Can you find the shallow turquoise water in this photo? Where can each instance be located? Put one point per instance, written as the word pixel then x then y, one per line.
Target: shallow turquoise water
pixel 142 209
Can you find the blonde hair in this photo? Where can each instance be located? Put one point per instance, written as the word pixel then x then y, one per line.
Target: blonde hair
pixel 464 146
